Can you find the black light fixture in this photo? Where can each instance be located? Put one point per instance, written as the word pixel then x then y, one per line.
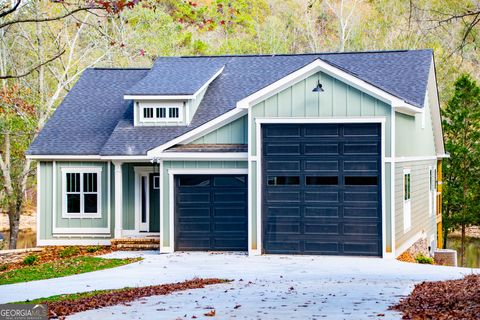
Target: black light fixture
pixel 318 87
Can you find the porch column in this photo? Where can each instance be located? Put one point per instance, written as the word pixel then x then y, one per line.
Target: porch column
pixel 118 199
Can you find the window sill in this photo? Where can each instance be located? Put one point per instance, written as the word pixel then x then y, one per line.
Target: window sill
pixel 82 215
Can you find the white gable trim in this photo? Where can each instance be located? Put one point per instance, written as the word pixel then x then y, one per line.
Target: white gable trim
pixel 173 96
pixel 320 65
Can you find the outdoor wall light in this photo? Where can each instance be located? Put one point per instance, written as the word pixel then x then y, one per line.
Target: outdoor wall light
pixel 318 87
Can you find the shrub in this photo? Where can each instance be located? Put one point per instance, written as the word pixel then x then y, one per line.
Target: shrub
pixel 30 259
pixel 3 267
pixel 93 249
pixel 420 258
pixel 68 252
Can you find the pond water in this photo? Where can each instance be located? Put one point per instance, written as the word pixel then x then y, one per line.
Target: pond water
pixel 26 239
pixel 472 250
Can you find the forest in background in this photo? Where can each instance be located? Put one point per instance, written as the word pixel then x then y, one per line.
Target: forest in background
pixel 46 45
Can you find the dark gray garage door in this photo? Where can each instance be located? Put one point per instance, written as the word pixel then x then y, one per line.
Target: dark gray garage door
pixel 211 212
pixel 322 192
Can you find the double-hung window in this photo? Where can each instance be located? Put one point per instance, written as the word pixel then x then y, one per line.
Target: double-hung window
pixel 81 190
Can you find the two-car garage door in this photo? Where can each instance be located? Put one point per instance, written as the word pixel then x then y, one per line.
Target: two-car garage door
pixel 321 189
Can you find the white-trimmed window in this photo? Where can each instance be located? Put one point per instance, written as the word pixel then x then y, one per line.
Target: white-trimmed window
pixel 81 192
pixel 163 113
pixel 407 207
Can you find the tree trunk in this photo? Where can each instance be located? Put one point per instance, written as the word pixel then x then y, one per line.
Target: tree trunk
pixel 462 247
pixel 445 235
pixel 14 219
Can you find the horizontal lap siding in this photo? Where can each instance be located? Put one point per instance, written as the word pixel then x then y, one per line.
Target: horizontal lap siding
pixel 421 221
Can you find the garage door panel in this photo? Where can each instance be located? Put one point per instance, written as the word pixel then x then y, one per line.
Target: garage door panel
pixel 360 166
pixel 321 149
pixel 283 149
pixel 283 211
pixel 360 229
pixel 211 212
pixel 321 212
pixel 230 197
pixel 360 248
pixel 361 148
pixel 361 130
pixel 278 227
pixel 283 196
pixel 321 166
pixel 324 131
pixel 334 206
pixel 194 226
pixel 358 212
pixel 286 131
pixel 321 247
pixel 283 166
pixel 194 197
pixel 321 229
pixel 321 196
pixel 352 196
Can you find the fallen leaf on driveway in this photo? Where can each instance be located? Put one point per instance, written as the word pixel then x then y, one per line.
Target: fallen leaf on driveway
pixel 211 313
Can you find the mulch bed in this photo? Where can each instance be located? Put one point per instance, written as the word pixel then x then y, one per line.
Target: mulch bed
pixel 452 299
pixel 61 309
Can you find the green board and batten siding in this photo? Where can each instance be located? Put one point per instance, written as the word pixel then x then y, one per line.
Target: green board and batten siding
pixel 235 132
pixel 339 100
pixel 47 206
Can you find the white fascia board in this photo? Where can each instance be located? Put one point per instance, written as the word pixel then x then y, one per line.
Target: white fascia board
pixel 208 82
pixel 193 156
pixel 210 126
pixel 320 65
pixel 173 96
pixel 443 156
pixel 87 157
pixel 159 97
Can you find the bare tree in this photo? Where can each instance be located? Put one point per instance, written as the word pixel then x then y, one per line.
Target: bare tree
pixel 344 11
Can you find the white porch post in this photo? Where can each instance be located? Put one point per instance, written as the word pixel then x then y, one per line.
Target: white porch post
pixel 118 199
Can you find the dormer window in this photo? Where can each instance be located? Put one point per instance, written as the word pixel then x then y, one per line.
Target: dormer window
pixel 153 113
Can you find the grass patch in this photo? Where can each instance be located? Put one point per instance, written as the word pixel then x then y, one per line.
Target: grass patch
pixel 61 268
pixel 60 306
pixel 70 296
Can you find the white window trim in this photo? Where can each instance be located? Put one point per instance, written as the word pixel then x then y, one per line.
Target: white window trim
pixel 82 214
pixel 167 118
pixel 407 203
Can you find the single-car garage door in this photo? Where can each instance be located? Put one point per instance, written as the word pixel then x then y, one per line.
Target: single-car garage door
pixel 322 192
pixel 211 212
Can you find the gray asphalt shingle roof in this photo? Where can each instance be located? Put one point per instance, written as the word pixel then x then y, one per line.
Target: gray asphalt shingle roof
pixel 174 76
pixel 94 119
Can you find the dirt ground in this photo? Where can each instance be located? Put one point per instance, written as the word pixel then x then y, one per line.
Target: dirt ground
pixel 27 221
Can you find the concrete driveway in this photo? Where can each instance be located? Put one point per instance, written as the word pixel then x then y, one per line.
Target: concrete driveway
pixel 264 287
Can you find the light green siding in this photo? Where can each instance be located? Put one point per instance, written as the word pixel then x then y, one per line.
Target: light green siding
pixel 409 129
pixel 421 219
pixel 167 165
pixel 50 207
pixel 234 132
pixel 339 100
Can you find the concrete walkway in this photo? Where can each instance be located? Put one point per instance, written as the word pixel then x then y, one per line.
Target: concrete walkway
pixel 264 287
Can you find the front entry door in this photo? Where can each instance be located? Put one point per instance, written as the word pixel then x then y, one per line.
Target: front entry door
pixel 149 202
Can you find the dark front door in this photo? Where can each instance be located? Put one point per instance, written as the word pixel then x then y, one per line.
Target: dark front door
pixel 211 212
pixel 321 189
pixel 154 199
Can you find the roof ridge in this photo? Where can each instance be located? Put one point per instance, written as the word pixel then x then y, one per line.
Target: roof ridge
pixel 297 54
pixel 118 68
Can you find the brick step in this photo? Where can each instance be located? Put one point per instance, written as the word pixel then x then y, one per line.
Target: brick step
pixel 136 244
